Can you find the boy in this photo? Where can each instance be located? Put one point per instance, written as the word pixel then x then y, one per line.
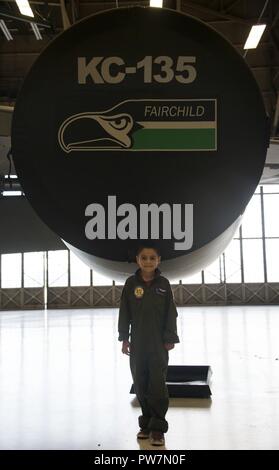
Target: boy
pixel 147 306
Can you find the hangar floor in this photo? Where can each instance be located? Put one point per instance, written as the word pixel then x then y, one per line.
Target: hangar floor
pixel 64 383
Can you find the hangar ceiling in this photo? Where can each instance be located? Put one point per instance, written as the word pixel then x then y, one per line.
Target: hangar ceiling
pixel 232 18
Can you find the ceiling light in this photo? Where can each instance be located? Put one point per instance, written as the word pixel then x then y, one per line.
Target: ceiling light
pixel 156 3
pixel 12 193
pixel 24 8
pixel 254 36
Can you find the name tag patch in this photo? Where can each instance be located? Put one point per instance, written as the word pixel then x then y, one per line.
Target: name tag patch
pixel 160 291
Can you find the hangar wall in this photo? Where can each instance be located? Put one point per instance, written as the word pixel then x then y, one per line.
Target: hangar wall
pixel 246 273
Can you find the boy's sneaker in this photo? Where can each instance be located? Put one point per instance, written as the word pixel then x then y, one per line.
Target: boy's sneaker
pixel 143 434
pixel 157 438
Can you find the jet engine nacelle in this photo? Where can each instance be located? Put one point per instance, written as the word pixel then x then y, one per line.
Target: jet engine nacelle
pixel 140 124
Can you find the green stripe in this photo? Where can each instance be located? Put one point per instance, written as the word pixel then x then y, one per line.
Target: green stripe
pixel 174 139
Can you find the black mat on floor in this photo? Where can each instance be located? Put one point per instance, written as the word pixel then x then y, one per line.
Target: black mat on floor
pixel 188 381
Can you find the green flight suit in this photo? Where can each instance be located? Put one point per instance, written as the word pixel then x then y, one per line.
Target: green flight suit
pixel 147 317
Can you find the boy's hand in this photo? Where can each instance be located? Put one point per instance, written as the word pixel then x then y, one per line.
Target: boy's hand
pixel 169 346
pixel 126 347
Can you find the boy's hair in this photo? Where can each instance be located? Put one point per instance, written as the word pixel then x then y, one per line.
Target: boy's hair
pixel 148 245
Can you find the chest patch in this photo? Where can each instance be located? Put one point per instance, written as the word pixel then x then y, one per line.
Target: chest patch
pixel 160 291
pixel 139 291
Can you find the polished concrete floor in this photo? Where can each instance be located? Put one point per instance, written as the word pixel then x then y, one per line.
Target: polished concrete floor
pixel 64 383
